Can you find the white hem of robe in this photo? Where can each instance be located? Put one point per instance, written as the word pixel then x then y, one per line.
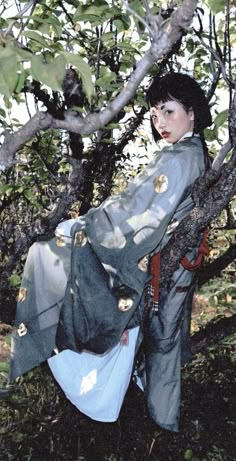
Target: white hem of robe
pixel 96 384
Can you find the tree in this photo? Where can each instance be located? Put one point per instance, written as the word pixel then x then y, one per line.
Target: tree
pixel 86 68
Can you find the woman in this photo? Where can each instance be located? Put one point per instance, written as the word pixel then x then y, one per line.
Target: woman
pixel 101 292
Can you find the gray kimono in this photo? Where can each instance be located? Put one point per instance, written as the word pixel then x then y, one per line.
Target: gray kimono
pixel 113 241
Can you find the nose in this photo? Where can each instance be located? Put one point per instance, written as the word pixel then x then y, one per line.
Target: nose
pixel 161 121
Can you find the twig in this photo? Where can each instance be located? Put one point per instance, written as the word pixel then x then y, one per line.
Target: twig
pixel 20 14
pixel 216 56
pixel 28 19
pixel 140 19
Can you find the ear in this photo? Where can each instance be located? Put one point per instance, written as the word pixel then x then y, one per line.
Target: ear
pixel 191 113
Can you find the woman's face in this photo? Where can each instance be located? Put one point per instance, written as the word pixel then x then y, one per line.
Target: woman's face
pixel 171 120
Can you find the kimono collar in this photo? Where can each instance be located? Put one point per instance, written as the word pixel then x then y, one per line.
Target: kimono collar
pixel 187 135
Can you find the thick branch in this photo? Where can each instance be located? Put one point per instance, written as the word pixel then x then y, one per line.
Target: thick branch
pixel 221 155
pixel 14 142
pixel 214 269
pixel 214 332
pixel 210 204
pixel 162 44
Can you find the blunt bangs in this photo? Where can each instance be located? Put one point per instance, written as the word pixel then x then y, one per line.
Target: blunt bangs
pixel 185 90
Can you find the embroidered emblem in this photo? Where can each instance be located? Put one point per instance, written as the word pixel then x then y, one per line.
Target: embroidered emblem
pixel 124 304
pixel 80 238
pixel 143 263
pixel 22 329
pixel 160 184
pixel 22 295
pixel 60 242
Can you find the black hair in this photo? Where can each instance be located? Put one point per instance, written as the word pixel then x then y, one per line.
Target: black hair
pixel 185 90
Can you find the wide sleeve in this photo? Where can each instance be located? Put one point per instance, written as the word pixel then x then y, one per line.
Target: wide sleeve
pixel 127 227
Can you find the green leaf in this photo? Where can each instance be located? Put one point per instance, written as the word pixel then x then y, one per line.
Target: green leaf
pixel 112 126
pixel 19 437
pixel 221 118
pixel 37 37
pixel 92 12
pixel 3 86
pixel 126 46
pixel 107 141
pixel 21 81
pixel 188 455
pixel 23 55
pixel 15 280
pixel 209 134
pixel 29 194
pixel 57 30
pixel 4 367
pixel 216 5
pixel 43 24
pixel 123 23
pixel 84 71
pixel 51 74
pixel 8 71
pixel 5 189
pixel 106 79
pixel 43 28
pixel 3 23
pixel 64 167
pixel 190 45
pixel 138 7
pixel 107 37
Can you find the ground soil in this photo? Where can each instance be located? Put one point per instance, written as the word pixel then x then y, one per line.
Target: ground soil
pixel 39 423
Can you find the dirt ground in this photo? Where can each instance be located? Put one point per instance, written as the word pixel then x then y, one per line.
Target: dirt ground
pixel 39 423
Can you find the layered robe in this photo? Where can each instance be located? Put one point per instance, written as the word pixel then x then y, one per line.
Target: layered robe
pixel 84 304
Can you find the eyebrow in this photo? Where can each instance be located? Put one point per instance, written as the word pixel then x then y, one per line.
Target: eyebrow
pixel 161 108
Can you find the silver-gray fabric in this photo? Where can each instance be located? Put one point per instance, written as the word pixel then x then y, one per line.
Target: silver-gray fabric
pixel 120 232
pixel 45 276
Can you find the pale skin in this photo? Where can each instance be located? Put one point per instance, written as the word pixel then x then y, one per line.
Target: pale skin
pixel 171 120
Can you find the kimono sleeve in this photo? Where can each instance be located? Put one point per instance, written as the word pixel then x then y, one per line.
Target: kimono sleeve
pixel 127 227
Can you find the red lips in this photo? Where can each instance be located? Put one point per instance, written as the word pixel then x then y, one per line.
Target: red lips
pixel 165 134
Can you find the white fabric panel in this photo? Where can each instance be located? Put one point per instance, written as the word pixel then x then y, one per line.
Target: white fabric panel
pixel 96 384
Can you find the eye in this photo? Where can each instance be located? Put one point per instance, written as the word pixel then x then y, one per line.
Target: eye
pixel 154 117
pixel 168 112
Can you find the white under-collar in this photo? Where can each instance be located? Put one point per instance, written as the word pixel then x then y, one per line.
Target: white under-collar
pixel 189 134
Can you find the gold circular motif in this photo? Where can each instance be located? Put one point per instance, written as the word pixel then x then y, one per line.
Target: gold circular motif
pixel 124 304
pixel 60 242
pixel 22 295
pixel 160 184
pixel 22 329
pixel 80 238
pixel 143 263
